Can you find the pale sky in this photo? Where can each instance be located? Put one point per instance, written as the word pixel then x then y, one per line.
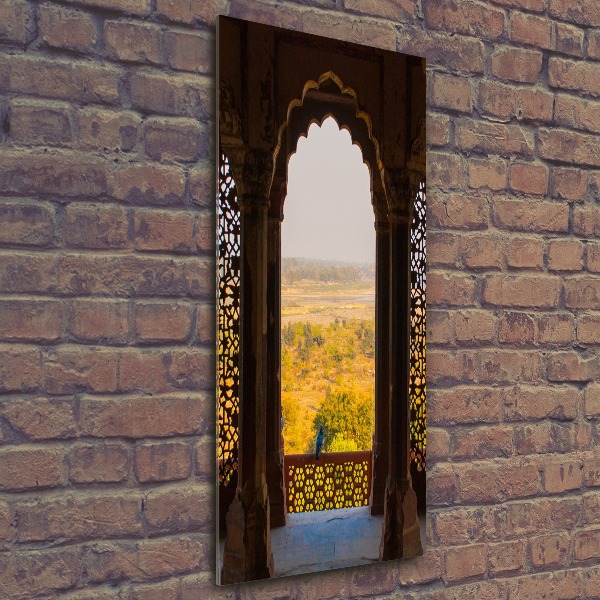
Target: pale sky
pixel 328 212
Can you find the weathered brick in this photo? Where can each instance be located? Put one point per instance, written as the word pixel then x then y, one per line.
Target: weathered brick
pixel 525 253
pixel 544 438
pixel 163 462
pixel 528 178
pixel 450 290
pixel 593 46
pixel 72 369
pixel 481 442
pixel 20 368
pixel 191 11
pixel 457 210
pixel 594 181
pixel 206 324
pixel 527 518
pixel 151 416
pixel 100 320
pixel 526 403
pixel 440 330
pixel 569 366
pixel 549 550
pixel 532 5
pixel 163 230
pixel 149 184
pixel 592 401
pixel 577 113
pixel 26 223
pixel 494 138
pixel 28 573
pixel 202 184
pixel 109 131
pixel 166 590
pixel 47 123
pixel 176 94
pixel 465 17
pixel 583 12
pixel 443 249
pixel 487 173
pixel 98 463
pixel 205 464
pixel 531 30
pixel 591 578
pixel 397 10
pixel 136 7
pixel 505 557
pixel 466 561
pixel 593 257
pixel 61 79
pixel 506 367
pixel 578 76
pixel 62 27
pixel 558 584
pixel 565 255
pixel 446 171
pixel 569 183
pixel 516 64
pixel 530 215
pixel 491 481
pixel 451 367
pixel 581 292
pixel 534 104
pixel 186 51
pixel 556 329
pixel 30 468
pixel 587 544
pixel 200 586
pixel 27 319
pixel 442 489
pixel 162 321
pixel 464 525
pixel 173 139
pixel 536 291
pixel 133 42
pixel 17 23
pixel 560 477
pixel 467 404
pixel 568 39
pixel 79 516
pixel 497 99
pixel 179 507
pixel 98 226
pixel 473 326
pixel 41 418
pixel 591 508
pixel 438 129
pixel 450 92
pixel 516 328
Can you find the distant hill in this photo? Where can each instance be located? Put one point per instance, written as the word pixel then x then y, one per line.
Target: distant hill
pixel 302 269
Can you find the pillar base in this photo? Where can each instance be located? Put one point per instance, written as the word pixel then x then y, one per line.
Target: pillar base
pixel 401 535
pixel 247 555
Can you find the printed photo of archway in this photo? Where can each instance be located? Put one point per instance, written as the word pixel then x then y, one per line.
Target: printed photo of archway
pixel 321 299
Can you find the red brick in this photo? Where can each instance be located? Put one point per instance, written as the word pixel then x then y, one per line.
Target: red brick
pixel 577 113
pixel 135 42
pixel 438 447
pixel 149 416
pixel 442 489
pixel 525 403
pixel 205 464
pixel 192 11
pixel 163 230
pixel 451 368
pixel 20 368
pixel 515 64
pixel 6 520
pixel 534 104
pixel 537 291
pixel 529 178
pixel 466 561
pixel 179 507
pixel 516 328
pixel 592 582
pixel 592 401
pixel 173 139
pixel 533 5
pixel 494 138
pixel 583 12
pixel 581 292
pixel 565 255
pixel 497 99
pixel 202 184
pixel 460 525
pixel 587 544
pixel 26 223
pixel 62 27
pixel 47 123
pixel 98 463
pixel 397 10
pixel 145 560
pixel 569 366
pixel 505 557
pixel 563 477
pixel 576 75
pixel 108 131
pixel 465 17
pixel 496 366
pixel 446 170
pixel 549 550
pixel 593 48
pixel 100 320
pixel 593 257
pixel 568 39
pixel 481 442
pixel 525 253
pixel 149 184
pixel 162 321
pixel 136 7
pixel 595 186
pixel 180 95
pixel 493 482
pixel 31 319
pixel 556 329
pixel 529 215
pixel 191 52
pixel 41 418
pixel 200 586
pixel 591 508
pixel 457 210
pixel 17 23
pixel 61 79
pixel 569 183
pixel 29 468
pixel 531 30
pixel 450 290
pixel 162 462
pixel 206 324
pixel 453 93
pixel 78 516
pixel 544 438
pixel 559 584
pixel 473 326
pixel 31 573
pixel 98 226
pixel 438 129
pixel 464 405
pixel 443 249
pixel 167 590
pixel 487 173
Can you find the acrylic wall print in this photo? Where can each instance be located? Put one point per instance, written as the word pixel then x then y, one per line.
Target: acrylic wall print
pixel 320 303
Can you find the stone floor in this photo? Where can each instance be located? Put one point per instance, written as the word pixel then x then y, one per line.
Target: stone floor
pixel 329 539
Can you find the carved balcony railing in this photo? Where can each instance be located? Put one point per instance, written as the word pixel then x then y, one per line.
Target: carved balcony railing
pixel 336 480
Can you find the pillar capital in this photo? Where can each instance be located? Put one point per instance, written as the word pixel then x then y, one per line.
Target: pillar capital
pixel 253 173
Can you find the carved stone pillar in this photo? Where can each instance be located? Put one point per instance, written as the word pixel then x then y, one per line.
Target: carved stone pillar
pixel 401 535
pixel 382 371
pixel 248 554
pixel 275 464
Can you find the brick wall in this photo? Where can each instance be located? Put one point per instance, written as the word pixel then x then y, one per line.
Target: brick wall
pixel 106 314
